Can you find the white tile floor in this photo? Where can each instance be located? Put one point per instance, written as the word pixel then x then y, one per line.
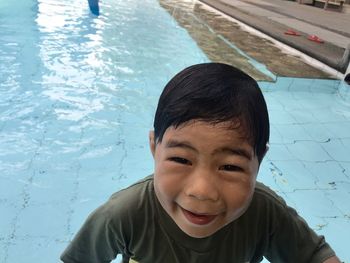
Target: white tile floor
pixel 308 163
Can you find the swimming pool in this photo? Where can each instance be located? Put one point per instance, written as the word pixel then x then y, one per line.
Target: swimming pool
pixel 77 96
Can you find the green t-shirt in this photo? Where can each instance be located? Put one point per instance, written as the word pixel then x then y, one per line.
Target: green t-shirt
pixel 133 223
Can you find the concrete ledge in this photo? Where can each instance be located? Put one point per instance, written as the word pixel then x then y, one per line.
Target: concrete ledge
pixel 327 53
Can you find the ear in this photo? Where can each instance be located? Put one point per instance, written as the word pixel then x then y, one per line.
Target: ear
pixel 152 143
pixel 266 150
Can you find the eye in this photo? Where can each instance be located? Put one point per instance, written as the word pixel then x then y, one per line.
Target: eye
pixel 231 168
pixel 180 160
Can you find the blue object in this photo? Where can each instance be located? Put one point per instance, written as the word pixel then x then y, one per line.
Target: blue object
pixel 94 7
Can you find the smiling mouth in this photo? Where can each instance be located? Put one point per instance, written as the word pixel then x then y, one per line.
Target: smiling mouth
pixel 198 219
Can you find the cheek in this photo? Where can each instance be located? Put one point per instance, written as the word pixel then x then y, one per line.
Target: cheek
pixel 167 182
pixel 169 172
pixel 238 197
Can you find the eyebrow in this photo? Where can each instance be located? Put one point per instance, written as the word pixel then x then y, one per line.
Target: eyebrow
pixel 235 151
pixel 232 151
pixel 180 144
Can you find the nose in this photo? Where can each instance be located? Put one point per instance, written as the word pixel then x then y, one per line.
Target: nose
pixel 201 185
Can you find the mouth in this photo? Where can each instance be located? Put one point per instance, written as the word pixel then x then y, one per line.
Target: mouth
pixel 198 219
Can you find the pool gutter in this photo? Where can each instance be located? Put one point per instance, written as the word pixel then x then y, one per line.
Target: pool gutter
pixel 333 56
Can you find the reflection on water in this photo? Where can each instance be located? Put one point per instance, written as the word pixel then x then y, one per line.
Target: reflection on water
pixel 210 30
pixel 77 98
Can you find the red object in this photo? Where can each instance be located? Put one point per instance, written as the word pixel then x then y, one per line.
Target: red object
pixel 291 32
pixel 315 39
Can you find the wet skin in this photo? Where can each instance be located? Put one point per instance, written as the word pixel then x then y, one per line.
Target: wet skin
pixel 204 175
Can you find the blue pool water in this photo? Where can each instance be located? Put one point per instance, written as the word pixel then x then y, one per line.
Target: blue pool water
pixel 77 98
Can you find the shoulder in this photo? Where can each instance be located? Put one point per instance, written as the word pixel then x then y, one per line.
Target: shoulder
pixel 263 195
pixel 263 191
pixel 109 229
pixel 125 204
pixel 269 208
pixel 134 191
pixel 123 215
pixel 129 199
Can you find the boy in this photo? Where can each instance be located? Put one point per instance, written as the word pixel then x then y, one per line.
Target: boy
pixel 203 204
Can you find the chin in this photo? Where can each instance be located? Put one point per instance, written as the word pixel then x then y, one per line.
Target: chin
pixel 199 231
pixel 200 234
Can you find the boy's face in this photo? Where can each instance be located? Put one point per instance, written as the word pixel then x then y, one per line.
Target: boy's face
pixel 204 175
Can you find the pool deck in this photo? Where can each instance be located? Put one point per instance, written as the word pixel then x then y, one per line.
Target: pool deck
pixel 275 17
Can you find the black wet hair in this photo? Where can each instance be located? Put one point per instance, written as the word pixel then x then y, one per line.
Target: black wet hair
pixel 215 93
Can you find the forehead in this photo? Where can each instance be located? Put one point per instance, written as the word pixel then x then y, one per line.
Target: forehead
pixel 218 132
